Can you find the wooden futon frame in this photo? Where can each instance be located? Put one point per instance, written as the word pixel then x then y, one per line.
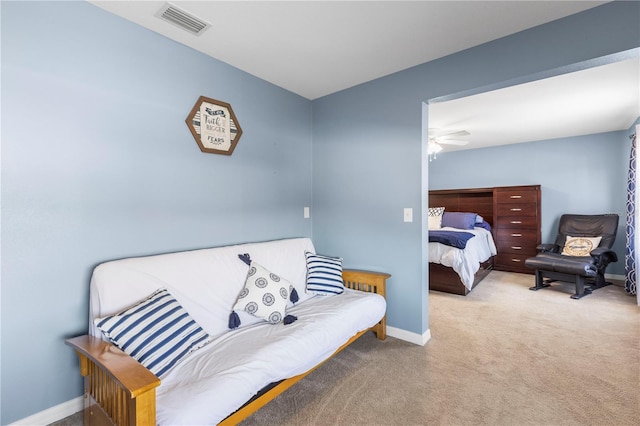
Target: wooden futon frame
pixel 119 390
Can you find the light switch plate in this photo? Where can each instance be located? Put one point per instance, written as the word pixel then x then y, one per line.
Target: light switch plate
pixel 408 214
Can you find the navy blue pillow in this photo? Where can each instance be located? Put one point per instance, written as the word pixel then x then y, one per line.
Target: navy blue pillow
pixel 484 224
pixel 459 220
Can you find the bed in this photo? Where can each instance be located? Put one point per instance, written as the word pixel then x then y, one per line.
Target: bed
pixel 459 270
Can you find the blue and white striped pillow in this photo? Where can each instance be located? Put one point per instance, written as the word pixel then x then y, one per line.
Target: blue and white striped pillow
pixel 324 274
pixel 158 332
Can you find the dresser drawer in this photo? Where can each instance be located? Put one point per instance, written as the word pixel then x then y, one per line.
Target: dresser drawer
pixel 517 209
pixel 514 248
pixel 517 236
pixel 516 195
pixel 517 222
pixel 512 262
pixel 523 241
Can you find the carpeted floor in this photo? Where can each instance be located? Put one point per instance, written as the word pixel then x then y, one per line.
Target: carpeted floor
pixel 503 355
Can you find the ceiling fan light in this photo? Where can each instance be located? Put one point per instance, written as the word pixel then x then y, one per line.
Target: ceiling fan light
pixel 433 148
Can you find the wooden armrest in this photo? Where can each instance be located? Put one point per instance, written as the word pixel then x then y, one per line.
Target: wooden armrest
pixel 371 282
pixel 121 367
pixel 120 385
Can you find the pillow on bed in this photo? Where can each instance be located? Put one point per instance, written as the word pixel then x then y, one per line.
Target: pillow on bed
pixel 459 220
pixel 435 222
pixel 483 224
pixel 435 217
pixel 580 246
pixel 157 332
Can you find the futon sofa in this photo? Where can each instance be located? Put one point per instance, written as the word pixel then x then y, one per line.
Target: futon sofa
pixel 193 337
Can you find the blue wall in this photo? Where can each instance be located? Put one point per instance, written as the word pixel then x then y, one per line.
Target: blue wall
pixel 369 154
pixel 578 175
pixel 98 164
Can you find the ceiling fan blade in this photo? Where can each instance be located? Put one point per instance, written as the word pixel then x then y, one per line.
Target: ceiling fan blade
pixel 452 142
pixel 440 133
pixel 455 134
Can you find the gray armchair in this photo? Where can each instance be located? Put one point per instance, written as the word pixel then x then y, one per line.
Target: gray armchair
pixel 585 265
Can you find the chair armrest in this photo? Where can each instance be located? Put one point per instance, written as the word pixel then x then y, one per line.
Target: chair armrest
pixel 547 248
pixel 603 254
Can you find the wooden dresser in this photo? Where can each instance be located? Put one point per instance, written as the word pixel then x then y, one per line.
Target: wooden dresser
pixel 516 226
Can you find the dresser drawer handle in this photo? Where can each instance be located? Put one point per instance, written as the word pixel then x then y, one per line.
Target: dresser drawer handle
pixel 515 196
pixel 516 247
pixel 516 260
pixel 515 210
pixel 516 221
pixel 516 235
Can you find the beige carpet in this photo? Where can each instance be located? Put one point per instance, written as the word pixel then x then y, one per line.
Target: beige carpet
pixel 503 355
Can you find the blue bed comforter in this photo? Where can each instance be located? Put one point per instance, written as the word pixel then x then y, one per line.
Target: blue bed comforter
pixel 450 238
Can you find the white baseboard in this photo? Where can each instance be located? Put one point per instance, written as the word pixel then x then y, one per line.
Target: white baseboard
pixel 407 336
pixel 614 277
pixel 54 414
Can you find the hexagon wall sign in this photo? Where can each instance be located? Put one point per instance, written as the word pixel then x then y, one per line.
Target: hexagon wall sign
pixel 214 126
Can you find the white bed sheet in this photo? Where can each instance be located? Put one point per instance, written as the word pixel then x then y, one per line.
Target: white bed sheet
pixel 216 380
pixel 466 262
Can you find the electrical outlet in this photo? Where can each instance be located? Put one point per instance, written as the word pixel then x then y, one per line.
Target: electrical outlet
pixel 408 214
pixel 306 213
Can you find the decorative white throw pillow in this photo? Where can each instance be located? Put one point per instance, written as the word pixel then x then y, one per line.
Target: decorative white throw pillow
pixel 435 222
pixel 264 295
pixel 324 274
pixel 157 332
pixel 435 217
pixel 580 246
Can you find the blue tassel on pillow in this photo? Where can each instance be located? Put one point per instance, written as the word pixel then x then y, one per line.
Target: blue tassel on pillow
pixel 294 296
pixel 289 319
pixel 234 320
pixel 245 258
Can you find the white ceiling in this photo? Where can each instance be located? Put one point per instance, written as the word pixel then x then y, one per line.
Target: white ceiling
pixel 315 48
pixel 596 100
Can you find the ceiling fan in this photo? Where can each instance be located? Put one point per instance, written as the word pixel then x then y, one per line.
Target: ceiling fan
pixel 448 137
pixel 437 138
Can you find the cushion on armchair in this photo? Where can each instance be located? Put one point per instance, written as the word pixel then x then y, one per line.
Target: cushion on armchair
pixel 580 246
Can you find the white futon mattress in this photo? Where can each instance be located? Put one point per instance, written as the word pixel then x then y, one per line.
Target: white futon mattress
pixel 216 380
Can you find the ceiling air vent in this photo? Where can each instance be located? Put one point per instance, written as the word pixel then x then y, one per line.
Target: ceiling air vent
pixel 182 19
